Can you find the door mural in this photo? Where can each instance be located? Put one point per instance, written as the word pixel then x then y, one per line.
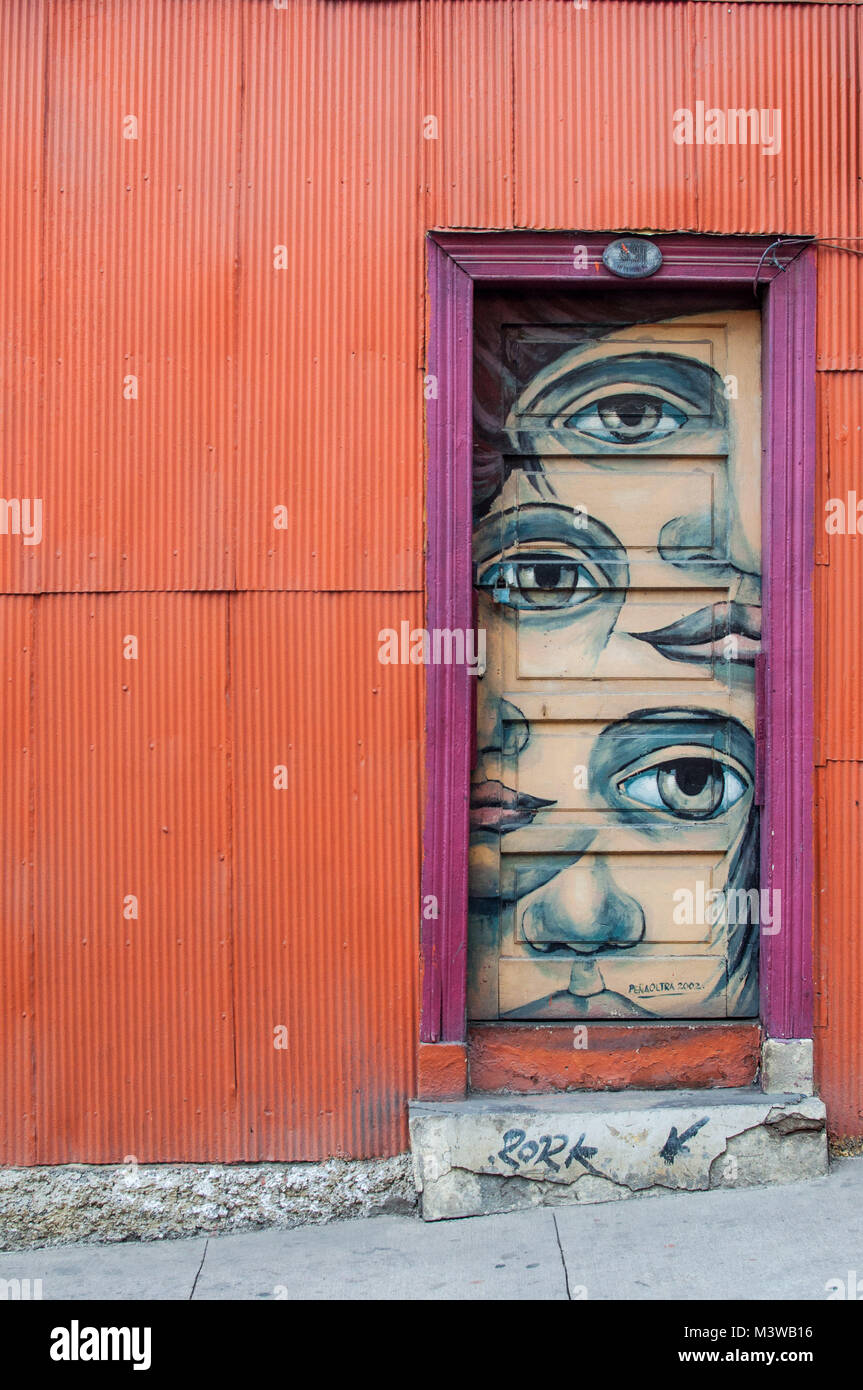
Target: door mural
pixel 614 857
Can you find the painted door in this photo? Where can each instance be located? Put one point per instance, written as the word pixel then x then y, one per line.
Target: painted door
pixel 614 857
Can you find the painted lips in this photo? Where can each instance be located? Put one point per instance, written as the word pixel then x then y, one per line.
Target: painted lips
pixel 704 635
pixel 496 807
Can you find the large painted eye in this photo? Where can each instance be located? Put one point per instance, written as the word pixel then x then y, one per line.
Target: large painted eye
pixel 628 418
pixel 542 581
pixel 690 788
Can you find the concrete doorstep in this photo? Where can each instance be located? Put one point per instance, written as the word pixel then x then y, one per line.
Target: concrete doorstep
pixel 796 1241
pixel 491 1154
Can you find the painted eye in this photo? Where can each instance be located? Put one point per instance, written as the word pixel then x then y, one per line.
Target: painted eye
pixel 689 788
pixel 628 418
pixel 541 582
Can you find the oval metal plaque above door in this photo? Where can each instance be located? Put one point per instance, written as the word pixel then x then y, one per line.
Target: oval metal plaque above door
pixel 632 257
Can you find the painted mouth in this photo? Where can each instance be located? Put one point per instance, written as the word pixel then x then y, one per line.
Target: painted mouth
pixel 723 632
pixel 496 807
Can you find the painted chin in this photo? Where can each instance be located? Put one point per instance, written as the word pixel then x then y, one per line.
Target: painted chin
pixel 565 1005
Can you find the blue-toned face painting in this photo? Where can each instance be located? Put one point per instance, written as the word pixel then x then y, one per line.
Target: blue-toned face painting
pixel 614 831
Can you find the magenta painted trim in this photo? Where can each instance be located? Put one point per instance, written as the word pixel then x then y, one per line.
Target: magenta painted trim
pixel 530 256
pixel 455 261
pixel 449 710
pixel 788 526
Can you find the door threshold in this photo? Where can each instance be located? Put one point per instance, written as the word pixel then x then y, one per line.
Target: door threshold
pixel 532 1058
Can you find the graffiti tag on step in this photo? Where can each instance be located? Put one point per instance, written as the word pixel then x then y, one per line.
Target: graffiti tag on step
pixel 549 1149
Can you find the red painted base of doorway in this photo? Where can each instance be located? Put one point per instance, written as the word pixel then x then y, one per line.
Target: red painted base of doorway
pixel 525 1058
pixel 442 1071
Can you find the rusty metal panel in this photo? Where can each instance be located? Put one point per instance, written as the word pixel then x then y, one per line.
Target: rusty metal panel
pixel 839 567
pixel 330 390
pixel 594 92
pixel 799 60
pixel 22 87
pixel 840 308
pixel 134 1047
pixel 326 771
pixel 17 1119
pixel 139 250
pixel 467 143
pixel 839 946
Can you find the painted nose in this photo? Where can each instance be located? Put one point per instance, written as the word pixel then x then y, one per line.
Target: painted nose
pixel 581 909
pixel 687 538
pixel 501 727
pixel 687 543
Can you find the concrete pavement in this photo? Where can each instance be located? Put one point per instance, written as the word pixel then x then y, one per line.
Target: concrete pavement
pixel 783 1242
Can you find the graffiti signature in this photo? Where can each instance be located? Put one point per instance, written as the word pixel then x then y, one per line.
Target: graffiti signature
pixel 519 1151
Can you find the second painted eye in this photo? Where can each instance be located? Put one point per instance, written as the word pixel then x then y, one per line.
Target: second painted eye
pixel 689 788
pixel 628 418
pixel 542 581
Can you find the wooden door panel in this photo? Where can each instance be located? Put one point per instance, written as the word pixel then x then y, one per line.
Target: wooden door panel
pixel 614 844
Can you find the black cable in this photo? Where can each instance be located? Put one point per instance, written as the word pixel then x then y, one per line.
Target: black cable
pixel 807 241
pixel 780 241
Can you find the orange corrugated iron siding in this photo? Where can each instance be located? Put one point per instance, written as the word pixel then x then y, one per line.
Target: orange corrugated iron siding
pixel 595 89
pixel 134 1026
pixel 17 1100
pixel 301 387
pixel 839 945
pixel 22 96
pixel 466 84
pixel 326 871
pixel 138 258
pixel 329 420
pixel 839 573
pixel 804 61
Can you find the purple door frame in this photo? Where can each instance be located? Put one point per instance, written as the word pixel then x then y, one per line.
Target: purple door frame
pixel 456 260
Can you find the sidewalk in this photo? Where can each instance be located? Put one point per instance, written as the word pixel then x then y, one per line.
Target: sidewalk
pixel 757 1243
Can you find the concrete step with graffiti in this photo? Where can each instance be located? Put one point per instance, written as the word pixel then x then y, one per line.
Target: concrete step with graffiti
pixel 488 1154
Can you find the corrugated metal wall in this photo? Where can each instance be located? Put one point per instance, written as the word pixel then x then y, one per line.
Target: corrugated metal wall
pixel 254 260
